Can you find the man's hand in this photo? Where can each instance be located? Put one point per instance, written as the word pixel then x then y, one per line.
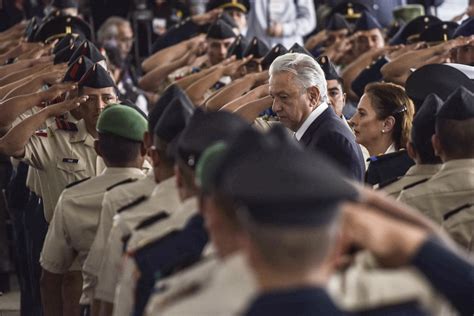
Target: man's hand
pixel 259 78
pixel 393 242
pixel 65 106
pixel 316 39
pixel 56 91
pixel 275 29
pixel 231 68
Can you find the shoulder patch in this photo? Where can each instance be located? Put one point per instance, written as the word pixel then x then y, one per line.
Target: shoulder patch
pixel 388 182
pixel 151 220
pixel 132 204
pixel 65 125
pixel 129 180
pixel 456 210
pixel 414 184
pixel 76 182
pixel 389 156
pixel 42 133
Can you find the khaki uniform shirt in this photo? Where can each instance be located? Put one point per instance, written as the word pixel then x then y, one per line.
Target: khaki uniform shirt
pixel 365 285
pixel 75 220
pixel 229 291
pixel 459 223
pixel 164 197
pixel 451 187
pixel 414 174
pixel 64 157
pixel 127 282
pixel 113 200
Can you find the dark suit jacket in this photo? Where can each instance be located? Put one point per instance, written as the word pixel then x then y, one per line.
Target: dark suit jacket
pixel 328 135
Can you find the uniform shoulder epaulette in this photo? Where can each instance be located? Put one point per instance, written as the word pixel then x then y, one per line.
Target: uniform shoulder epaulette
pixel 388 182
pixel 151 220
pixel 132 204
pixel 414 184
pixel 70 185
pixel 64 125
pixel 129 180
pixel 456 210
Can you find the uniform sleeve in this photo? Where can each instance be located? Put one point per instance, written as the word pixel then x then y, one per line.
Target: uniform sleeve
pixel 450 274
pixel 38 151
pixel 305 20
pixel 57 255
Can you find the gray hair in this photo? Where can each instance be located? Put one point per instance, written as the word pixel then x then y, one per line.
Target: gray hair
pixel 109 30
pixel 306 70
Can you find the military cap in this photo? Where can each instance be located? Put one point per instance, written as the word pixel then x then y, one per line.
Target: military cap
pixel 458 106
pixel 297 48
pixel 294 187
pixel 435 78
pixel 123 121
pixel 439 32
pixel 78 69
pixel 424 121
pixel 350 10
pixel 97 77
pixel 64 4
pixel 370 74
pixel 65 54
pixel 129 103
pixel 257 48
pixel 408 12
pixel 337 22
pixel 203 130
pixel 367 22
pixel 327 66
pixel 60 26
pixel 220 30
pixel 465 29
pixel 229 20
pixel 237 48
pixel 88 49
pixel 412 30
pixel 275 52
pixel 172 92
pixel 67 41
pixel 241 5
pixel 174 119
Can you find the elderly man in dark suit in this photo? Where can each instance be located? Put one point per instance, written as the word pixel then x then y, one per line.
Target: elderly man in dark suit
pixel 299 92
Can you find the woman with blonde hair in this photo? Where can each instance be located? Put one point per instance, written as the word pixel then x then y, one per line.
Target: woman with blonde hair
pixel 382 124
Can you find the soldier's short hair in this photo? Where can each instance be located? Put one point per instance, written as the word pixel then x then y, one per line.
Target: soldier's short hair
pixel 290 249
pixel 456 137
pixel 118 150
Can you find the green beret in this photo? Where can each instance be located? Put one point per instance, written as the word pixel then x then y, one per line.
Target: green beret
pixel 123 121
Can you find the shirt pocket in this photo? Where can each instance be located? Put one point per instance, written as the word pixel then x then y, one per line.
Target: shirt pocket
pixel 72 168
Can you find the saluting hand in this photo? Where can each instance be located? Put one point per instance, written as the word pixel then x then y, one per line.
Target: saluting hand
pixel 56 91
pixel 65 106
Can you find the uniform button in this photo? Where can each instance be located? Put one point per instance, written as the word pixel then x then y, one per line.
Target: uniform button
pixel 376 6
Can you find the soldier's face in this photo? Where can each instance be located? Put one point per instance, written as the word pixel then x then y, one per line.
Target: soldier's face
pixel 217 49
pixel 336 36
pixel 368 40
pixel 291 101
pixel 336 96
pixel 465 55
pixel 367 127
pixel 97 101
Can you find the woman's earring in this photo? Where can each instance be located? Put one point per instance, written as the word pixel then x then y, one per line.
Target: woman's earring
pixel 383 131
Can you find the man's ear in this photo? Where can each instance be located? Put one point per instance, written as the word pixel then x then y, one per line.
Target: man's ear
pixel 438 149
pixel 147 139
pixel 97 147
pixel 314 95
pixel 411 151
